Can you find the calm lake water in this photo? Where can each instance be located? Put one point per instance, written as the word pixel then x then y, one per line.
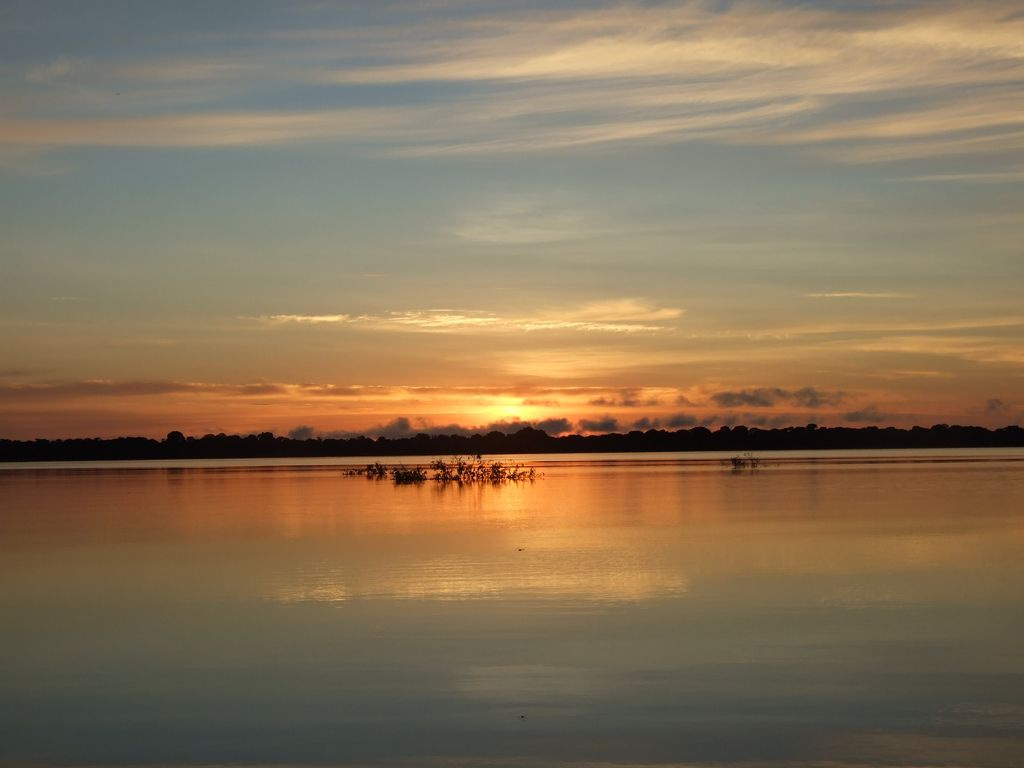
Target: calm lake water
pixel 842 608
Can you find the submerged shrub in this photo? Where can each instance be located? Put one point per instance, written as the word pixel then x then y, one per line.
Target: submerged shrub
pixel 465 471
pixel 746 461
pixel 408 475
pixel 375 471
pixel 458 470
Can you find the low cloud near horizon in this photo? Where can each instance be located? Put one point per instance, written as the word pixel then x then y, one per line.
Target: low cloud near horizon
pixel 110 408
pixel 765 397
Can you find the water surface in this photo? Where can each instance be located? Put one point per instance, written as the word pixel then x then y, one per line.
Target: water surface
pixel 845 609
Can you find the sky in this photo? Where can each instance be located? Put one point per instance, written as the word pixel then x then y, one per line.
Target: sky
pixel 385 217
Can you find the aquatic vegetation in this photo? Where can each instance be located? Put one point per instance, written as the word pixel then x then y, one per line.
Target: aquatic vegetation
pixel 465 471
pixel 375 471
pixel 408 475
pixel 457 471
pixel 744 461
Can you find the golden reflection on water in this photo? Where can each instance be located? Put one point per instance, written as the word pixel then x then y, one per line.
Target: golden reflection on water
pixel 581 533
pixel 560 573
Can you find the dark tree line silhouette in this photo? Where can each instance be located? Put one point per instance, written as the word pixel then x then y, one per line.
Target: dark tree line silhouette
pixel 526 440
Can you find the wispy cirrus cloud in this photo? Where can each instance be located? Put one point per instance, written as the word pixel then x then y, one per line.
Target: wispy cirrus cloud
pixel 92 388
pixel 859 295
pixel 207 129
pixel 519 220
pixel 631 40
pixel 838 330
pixel 750 73
pixel 311 319
pixel 1010 176
pixel 629 315
pixel 975 347
pixel 873 83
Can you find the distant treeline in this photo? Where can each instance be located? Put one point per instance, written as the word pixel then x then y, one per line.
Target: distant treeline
pixel 526 440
